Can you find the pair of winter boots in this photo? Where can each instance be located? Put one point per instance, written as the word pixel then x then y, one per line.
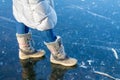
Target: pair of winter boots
pixel 58 55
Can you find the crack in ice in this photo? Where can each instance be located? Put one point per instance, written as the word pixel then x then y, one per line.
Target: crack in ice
pixel 115 53
pixel 106 75
pixel 7 19
pixel 90 12
pixel 97 15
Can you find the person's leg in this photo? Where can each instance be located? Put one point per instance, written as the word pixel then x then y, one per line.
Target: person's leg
pixel 49 36
pixel 54 44
pixel 21 28
pixel 24 38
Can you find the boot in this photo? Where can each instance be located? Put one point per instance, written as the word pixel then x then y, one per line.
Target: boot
pixel 58 55
pixel 26 49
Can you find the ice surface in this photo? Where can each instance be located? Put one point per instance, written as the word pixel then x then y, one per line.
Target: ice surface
pixel 90 32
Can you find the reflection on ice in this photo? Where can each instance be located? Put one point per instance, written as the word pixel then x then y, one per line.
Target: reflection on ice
pixel 1 63
pixel 3 1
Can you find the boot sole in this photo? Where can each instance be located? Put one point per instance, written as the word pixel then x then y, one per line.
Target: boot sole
pixel 39 54
pixel 62 63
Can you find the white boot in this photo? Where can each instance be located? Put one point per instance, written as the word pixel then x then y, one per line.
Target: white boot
pixel 58 55
pixel 26 49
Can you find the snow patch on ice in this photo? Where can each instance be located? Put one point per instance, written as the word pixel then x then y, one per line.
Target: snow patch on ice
pixel 90 61
pixel 82 65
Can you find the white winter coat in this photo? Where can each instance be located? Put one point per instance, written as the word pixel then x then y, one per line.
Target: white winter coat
pixel 37 14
